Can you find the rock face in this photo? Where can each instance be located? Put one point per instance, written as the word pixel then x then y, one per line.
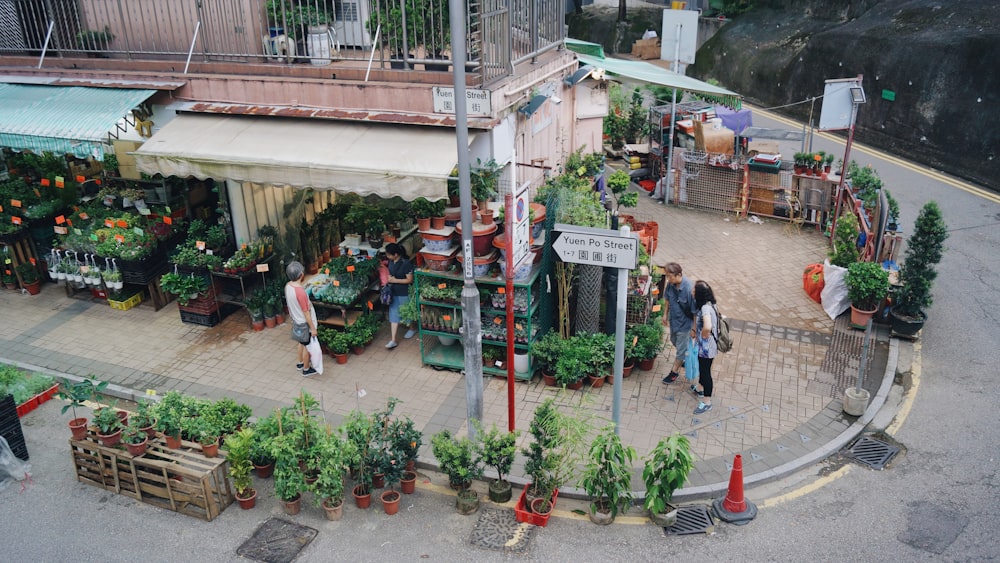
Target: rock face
pixel 938 58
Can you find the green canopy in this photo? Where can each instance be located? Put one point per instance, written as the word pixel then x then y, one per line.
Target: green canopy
pixel 593 54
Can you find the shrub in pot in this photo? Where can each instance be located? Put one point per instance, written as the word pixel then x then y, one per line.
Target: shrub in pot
pixel 108 424
pixel 76 394
pixel 328 489
pixel 546 351
pixel 460 459
pixel 556 450
pixel 665 470
pixel 924 249
pixel 135 439
pixel 867 287
pixel 499 449
pixel 238 448
pixel 845 241
pixel 607 477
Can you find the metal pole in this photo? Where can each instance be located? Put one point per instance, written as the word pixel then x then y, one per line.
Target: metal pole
pixel 472 333
pixel 616 409
pixel 194 38
pixel 812 104
pixel 847 158
pixel 508 219
pixel 48 35
pixel 673 116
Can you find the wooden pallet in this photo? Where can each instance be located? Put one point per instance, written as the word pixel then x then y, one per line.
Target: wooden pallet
pixel 181 480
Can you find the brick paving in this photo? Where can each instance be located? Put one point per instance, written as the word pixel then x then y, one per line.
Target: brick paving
pixel 778 392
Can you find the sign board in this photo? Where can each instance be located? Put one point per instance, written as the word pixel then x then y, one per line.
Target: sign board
pixel 522 224
pixel 679 25
pixel 477 102
pixel 837 107
pixel 598 247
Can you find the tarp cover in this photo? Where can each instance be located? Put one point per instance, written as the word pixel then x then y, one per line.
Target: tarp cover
pixel 362 158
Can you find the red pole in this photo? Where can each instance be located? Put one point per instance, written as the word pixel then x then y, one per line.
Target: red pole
pixel 508 217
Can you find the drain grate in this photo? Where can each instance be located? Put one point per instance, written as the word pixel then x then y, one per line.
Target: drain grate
pixel 276 541
pixel 694 519
pixel 498 530
pixel 871 452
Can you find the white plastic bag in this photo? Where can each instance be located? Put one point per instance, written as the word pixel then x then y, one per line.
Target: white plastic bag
pixel 315 355
pixel 834 295
pixel 11 468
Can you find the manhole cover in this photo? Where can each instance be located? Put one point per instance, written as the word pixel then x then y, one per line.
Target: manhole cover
pixel 497 529
pixel 276 541
pixel 871 452
pixel 694 519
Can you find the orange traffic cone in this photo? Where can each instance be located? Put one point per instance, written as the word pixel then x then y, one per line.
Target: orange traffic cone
pixel 734 508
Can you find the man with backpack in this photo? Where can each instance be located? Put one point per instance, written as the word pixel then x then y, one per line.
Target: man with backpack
pixel 680 310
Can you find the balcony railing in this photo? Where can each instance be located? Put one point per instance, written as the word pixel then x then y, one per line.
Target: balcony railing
pixel 411 34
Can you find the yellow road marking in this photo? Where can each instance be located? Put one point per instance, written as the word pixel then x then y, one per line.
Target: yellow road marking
pixel 804 490
pixel 909 396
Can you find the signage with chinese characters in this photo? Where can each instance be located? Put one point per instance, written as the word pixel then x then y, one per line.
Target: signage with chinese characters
pixel 477 102
pixel 599 247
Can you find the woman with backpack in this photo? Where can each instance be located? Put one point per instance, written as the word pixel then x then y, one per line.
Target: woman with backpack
pixel 705 332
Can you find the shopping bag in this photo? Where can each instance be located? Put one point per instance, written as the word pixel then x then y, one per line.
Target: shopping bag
pixel 691 361
pixel 315 355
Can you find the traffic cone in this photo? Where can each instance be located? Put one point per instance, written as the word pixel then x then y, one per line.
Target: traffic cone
pixel 734 508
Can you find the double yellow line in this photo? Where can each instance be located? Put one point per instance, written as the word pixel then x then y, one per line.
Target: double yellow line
pixel 922 170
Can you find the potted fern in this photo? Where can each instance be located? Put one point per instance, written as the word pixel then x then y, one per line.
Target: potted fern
pixel 924 249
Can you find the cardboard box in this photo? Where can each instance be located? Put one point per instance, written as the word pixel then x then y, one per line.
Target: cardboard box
pixel 646 48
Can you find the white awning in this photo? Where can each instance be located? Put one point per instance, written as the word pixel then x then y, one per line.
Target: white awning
pixel 362 158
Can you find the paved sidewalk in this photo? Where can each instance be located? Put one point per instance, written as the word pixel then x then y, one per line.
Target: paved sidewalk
pixel 778 392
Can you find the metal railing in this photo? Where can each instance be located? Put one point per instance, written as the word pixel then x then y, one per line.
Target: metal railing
pixel 411 33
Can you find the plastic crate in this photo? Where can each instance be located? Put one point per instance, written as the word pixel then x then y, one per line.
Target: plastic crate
pixel 211 319
pixel 126 304
pixel 521 513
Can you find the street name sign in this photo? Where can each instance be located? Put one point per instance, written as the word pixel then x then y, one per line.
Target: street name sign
pixel 598 247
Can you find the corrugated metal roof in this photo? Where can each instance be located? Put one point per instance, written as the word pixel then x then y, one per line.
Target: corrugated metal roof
pixel 72 119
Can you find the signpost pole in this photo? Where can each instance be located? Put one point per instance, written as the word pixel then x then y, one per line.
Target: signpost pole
pixel 508 217
pixel 622 290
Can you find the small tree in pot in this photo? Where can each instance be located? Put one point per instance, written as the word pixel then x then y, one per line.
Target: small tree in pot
pixel 460 459
pixel 607 477
pixel 238 449
pixel 328 489
pixel 924 250
pixel 666 469
pixel 867 286
pixel 499 449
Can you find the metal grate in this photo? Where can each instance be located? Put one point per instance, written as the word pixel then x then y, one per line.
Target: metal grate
pixel 694 519
pixel 871 452
pixel 498 530
pixel 277 541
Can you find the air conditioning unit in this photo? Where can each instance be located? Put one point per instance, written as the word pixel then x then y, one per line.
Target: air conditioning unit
pixel 350 18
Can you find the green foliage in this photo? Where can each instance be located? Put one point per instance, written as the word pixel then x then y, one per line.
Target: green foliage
pixel 423 208
pixel 459 458
pixel 338 341
pixel 619 182
pixel 485 179
pixel 575 360
pixel 546 350
pixel 265 429
pixel 410 312
pixel 648 338
pixel 893 207
pixel 924 249
pixel 183 285
pixel 556 449
pixel 499 449
pixel 665 470
pixel 359 429
pixel 334 453
pixel 845 241
pixel 28 271
pixel 143 416
pixel 238 448
pixel 107 421
pixel 77 393
pixel 607 478
pixel 133 433
pixel 23 385
pixel 867 285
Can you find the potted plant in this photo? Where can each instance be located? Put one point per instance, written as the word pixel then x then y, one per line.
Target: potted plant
pixel 545 352
pixel 30 278
pixel 168 419
pixel 204 429
pixel 665 470
pixel 460 459
pixel 109 426
pixel 255 308
pixel 552 458
pixel 618 183
pixel 328 489
pixel 113 279
pixel 607 478
pixel 135 439
pixel 408 441
pixel 648 338
pixel 239 446
pixel 484 181
pixel 358 429
pixel 423 209
pixel 289 481
pixel 867 287
pixel 185 286
pixel 893 222
pixel 264 430
pixel 602 357
pixel 924 249
pixel 574 362
pixel 94 41
pixel 76 394
pixel 499 449
pixel 143 418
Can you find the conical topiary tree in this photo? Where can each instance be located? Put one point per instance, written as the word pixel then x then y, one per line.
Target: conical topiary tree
pixel 924 249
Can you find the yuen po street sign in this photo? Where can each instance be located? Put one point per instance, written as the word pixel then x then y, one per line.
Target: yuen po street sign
pixel 598 247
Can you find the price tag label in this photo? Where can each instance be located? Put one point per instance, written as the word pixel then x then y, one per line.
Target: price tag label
pixel 60 182
pixel 656 290
pixel 122 224
pixel 138 230
pixel 168 210
pixel 77 232
pixel 326 271
pixel 80 179
pixel 16 220
pixel 150 392
pixel 44 182
pixel 497 321
pixel 350 268
pixel 109 223
pixel 84 269
pixel 371 306
pixel 442 286
pixel 144 211
pixel 61 230
pixel 634 340
pixel 262 268
pixel 84 216
pixel 7 261
pixel 209 252
pixel 120 238
pixel 93 236
pixel 350 252
pixel 518 326
pixel 15 203
pixel 1 209
pixel 446 317
pixel 656 308
pixel 37 193
pixel 336 283
pixel 200 244
pixel 243 246
pixel 68 222
pixel 168 220
pixel 498 364
pixel 33 261
pixel 501 290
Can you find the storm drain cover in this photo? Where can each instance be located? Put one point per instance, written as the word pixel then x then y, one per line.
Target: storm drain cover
pixel 871 452
pixel 694 519
pixel 276 541
pixel 497 529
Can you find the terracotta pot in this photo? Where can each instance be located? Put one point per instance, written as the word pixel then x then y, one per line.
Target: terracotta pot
pixel 341 358
pixel 361 499
pixel 597 381
pixel 292 507
pixel 150 430
pixel 541 506
pixel 437 222
pixel 549 380
pixel 257 325
pixel 378 480
pixel 408 483
pixel 137 449
pixel 210 450
pixel 578 384
pixel 424 224
pixel 601 518
pixel 647 364
pixel 270 322
pixel 264 471
pixel 110 440
pixel 390 501
pixel 334 510
pixel 859 318
pixel 249 500
pixel 280 319
pixel 173 442
pixel 78 426
pixel 123 417
pixel 358 350
pixel 627 367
